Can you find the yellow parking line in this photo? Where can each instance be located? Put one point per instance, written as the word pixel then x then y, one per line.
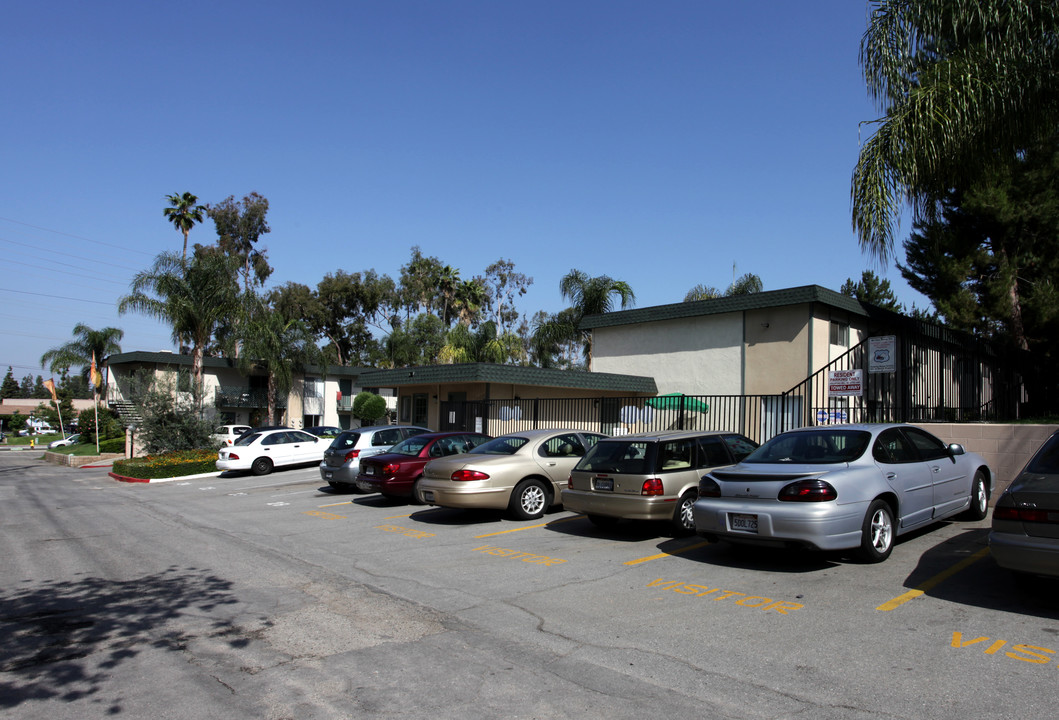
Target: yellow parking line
pixel 659 556
pixel 347 502
pixel 528 527
pixel 398 517
pixel 928 584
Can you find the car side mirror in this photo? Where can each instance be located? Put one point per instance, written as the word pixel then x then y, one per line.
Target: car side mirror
pixel 955 449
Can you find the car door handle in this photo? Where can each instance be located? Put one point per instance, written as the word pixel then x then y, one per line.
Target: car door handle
pixel 891 475
pixel 551 464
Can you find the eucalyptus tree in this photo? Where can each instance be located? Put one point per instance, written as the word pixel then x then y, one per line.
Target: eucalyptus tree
pixel 962 84
pixel 194 298
pixel 184 212
pixel 240 225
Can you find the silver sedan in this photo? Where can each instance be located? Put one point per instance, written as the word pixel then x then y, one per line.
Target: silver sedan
pixel 842 487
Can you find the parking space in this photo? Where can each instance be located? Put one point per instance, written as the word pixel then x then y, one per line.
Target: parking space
pixel 939 606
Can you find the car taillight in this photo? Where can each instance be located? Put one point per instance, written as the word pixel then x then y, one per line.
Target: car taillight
pixel 390 468
pixel 1032 515
pixel 808 491
pixel 570 481
pixel 351 455
pixel 232 456
pixel 652 486
pixel 708 487
pixel 466 475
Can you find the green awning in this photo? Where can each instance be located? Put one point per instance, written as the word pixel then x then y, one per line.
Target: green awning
pixel 672 401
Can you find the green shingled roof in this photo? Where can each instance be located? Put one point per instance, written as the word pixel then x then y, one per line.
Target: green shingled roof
pixel 516 375
pixel 736 303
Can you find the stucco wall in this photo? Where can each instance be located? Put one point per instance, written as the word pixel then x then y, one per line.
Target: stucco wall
pixel 1007 448
pixel 777 348
pixel 695 356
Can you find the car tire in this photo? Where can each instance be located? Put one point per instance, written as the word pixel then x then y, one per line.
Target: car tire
pixel 529 500
pixel 261 466
pixel 979 498
pixel 877 533
pixel 683 518
pixel 604 522
pixel 415 491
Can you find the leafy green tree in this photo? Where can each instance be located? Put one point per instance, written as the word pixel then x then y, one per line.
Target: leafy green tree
pixel 504 286
pixel 277 345
pixel 416 343
pixel 873 290
pixel 87 343
pixel 170 421
pixel 39 391
pixel 10 387
pixel 485 344
pixel 747 284
pixel 184 213
pixel 26 387
pixel 368 407
pixel 989 262
pixel 962 84
pixel 195 298
pixel 702 292
pixel 240 225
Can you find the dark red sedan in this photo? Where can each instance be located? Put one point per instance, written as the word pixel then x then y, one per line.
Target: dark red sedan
pixel 395 473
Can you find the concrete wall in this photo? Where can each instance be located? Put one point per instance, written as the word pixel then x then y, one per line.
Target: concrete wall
pixel 1007 448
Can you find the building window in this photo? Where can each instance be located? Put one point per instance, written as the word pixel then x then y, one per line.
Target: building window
pixel 406 409
pixel 419 409
pixel 314 388
pixel 840 333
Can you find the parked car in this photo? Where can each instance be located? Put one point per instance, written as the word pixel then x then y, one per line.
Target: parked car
pixel 68 440
pixel 649 476
pixel 341 461
pixel 842 487
pixel 325 431
pixel 396 472
pixel 522 472
pixel 1025 532
pixel 228 434
pixel 259 451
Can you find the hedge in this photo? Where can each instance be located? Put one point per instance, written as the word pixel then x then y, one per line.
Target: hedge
pixel 174 464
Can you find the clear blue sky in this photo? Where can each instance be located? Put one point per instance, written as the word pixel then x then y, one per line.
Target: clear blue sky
pixel 666 144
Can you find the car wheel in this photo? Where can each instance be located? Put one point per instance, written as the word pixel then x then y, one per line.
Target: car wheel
pixel 683 517
pixel 529 500
pixel 979 498
pixel 415 492
pixel 603 521
pixel 261 466
pixel 877 533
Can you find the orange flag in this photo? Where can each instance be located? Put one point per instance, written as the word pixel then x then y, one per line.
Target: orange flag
pixel 50 385
pixel 95 378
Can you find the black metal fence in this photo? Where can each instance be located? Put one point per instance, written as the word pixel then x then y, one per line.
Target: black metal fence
pixel 937 376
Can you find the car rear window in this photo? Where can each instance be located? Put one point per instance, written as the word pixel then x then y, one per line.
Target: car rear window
pixel 345 440
pixel 1046 461
pixel 410 447
pixel 616 456
pixel 812 447
pixel 247 438
pixel 507 445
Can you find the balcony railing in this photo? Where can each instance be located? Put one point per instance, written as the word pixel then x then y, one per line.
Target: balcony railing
pixel 234 396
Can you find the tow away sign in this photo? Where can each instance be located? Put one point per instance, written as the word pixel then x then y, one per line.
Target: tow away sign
pixel 845 382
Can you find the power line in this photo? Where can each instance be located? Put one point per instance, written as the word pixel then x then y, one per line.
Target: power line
pixel 78 237
pixel 57 297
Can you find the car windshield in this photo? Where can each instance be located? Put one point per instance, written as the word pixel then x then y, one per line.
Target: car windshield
pixel 1046 461
pixel 247 438
pixel 410 446
pixel 508 445
pixel 345 440
pixel 825 446
pixel 618 456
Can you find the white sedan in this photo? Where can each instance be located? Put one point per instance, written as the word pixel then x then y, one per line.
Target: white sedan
pixel 260 451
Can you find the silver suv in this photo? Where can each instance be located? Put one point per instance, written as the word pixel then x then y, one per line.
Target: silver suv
pixel 649 476
pixel 341 463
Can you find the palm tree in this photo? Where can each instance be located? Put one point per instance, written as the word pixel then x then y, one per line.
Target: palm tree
pixel 184 214
pixel 277 345
pixel 747 284
pixel 964 83
pixel 588 296
pixel 195 298
pixel 87 344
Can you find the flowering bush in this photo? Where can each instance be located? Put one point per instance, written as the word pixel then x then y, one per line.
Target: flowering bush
pixel 167 465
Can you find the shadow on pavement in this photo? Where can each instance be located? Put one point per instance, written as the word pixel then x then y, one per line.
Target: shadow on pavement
pixel 63 639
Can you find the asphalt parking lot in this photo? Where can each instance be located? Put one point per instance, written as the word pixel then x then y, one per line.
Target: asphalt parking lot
pixel 934 631
pixel 939 608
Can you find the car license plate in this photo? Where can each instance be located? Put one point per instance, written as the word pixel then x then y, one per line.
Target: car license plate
pixel 428 496
pixel 328 475
pixel 746 523
pixel 604 484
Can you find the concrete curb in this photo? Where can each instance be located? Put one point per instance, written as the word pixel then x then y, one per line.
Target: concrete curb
pixel 124 478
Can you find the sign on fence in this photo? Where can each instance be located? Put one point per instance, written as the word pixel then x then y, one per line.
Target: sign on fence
pixel 882 354
pixel 842 383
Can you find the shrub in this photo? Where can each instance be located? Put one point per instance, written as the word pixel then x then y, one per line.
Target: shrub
pixel 173 464
pixel 368 406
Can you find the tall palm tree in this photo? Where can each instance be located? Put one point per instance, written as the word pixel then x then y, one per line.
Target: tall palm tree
pixel 195 298
pixel 587 296
pixel 87 344
pixel 184 214
pixel 278 345
pixel 963 83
